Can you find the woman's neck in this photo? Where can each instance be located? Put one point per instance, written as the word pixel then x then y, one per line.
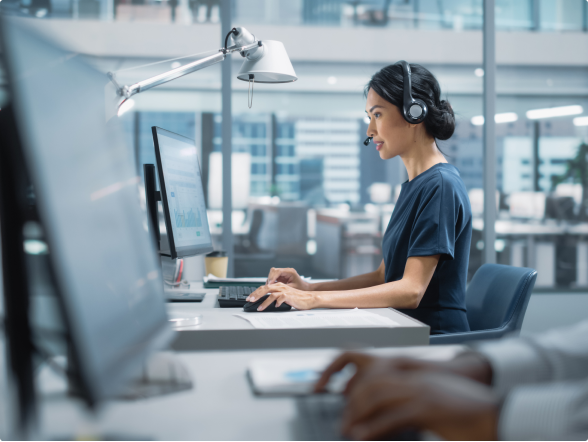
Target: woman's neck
pixel 421 156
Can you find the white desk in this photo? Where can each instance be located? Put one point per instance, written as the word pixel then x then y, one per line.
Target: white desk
pixel 221 406
pixel 221 330
pixel 210 300
pixel 539 238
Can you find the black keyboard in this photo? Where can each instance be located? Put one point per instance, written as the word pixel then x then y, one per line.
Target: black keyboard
pixel 319 418
pixel 234 295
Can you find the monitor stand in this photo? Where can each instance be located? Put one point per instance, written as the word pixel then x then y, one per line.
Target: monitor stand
pixel 183 292
pixel 163 374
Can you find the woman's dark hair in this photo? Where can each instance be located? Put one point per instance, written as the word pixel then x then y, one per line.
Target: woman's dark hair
pixel 388 83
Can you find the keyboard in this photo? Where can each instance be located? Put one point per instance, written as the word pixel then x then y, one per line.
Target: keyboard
pixel 319 418
pixel 234 295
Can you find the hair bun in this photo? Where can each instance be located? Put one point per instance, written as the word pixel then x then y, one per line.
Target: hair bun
pixel 442 123
pixel 445 106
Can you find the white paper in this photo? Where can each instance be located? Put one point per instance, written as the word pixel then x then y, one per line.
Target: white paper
pixel 295 376
pixel 317 319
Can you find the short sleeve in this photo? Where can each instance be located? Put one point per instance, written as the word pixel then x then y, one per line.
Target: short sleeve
pixel 433 230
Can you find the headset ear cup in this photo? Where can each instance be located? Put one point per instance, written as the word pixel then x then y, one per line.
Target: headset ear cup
pixel 417 111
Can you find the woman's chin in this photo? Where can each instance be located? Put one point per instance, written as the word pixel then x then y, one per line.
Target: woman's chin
pixel 386 155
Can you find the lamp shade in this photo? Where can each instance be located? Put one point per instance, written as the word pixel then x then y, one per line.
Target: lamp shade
pixel 273 67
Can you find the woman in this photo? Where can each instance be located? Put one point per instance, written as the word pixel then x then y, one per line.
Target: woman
pixel 426 245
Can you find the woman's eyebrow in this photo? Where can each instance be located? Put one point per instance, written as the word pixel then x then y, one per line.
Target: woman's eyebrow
pixel 373 107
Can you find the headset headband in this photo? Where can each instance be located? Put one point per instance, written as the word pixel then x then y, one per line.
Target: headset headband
pixel 413 111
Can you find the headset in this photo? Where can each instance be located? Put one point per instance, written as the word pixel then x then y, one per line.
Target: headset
pixel 413 110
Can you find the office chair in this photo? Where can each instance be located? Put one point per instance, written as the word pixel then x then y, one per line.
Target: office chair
pixel 254 228
pixel 496 300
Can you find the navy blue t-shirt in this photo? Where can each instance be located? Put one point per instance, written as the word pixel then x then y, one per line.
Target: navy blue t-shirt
pixel 433 217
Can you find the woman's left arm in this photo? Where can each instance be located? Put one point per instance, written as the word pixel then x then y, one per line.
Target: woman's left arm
pixel 405 293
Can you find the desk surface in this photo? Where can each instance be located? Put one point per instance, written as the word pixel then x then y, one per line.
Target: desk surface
pixel 533 227
pixel 210 300
pixel 220 329
pixel 221 406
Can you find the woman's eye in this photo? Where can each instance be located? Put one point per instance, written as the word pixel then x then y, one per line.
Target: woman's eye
pixel 376 115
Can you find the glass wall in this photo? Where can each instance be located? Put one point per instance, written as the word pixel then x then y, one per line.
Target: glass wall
pixel 542 185
pixel 298 155
pixel 547 15
pixel 306 192
pixel 526 15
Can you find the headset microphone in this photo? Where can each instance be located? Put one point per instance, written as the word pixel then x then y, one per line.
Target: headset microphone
pixel 367 141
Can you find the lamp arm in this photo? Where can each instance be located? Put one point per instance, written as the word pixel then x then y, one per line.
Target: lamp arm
pixel 129 91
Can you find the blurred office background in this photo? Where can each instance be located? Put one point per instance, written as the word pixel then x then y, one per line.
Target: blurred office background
pixel 306 192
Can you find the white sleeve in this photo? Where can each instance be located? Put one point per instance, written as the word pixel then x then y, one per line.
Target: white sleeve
pixel 557 355
pixel 555 411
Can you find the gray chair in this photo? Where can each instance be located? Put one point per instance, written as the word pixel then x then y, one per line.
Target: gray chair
pixel 496 301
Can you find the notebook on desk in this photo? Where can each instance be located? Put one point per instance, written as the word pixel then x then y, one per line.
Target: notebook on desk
pixel 289 376
pixel 213 282
pixel 294 377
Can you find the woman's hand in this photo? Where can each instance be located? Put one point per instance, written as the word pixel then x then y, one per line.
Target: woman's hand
pixel 453 407
pixel 281 293
pixel 289 277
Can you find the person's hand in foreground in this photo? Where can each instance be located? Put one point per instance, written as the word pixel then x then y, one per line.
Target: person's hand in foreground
pixel 453 407
pixel 469 364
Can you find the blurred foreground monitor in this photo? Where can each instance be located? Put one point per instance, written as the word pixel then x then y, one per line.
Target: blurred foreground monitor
pixel 102 261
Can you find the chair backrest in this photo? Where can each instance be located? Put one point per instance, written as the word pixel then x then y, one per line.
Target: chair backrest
pixel 254 228
pixel 498 296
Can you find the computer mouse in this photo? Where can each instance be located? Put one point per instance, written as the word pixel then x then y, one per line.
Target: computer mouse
pixel 252 306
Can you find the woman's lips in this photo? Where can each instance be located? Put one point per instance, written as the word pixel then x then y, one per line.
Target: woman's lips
pixel 379 145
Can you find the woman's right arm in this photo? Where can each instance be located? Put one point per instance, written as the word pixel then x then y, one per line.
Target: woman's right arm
pixel 291 277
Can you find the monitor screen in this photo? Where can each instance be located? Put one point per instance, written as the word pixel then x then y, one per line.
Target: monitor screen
pixel 182 194
pixel 86 186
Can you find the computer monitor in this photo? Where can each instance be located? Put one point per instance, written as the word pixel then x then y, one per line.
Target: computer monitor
pixel 104 263
pixel 240 179
pixel 182 195
pixel 527 205
pixel 18 392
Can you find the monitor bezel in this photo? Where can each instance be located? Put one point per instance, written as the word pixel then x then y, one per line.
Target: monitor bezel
pixel 175 252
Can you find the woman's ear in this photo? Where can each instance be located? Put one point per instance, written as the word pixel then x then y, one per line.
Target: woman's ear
pixel 413 127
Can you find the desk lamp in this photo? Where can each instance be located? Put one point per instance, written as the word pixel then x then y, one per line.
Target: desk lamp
pixel 265 62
